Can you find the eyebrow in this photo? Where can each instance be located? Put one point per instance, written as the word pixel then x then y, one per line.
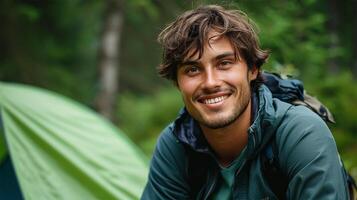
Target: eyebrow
pixel 220 56
pixel 223 55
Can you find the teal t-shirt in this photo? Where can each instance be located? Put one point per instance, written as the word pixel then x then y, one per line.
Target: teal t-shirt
pixel 224 188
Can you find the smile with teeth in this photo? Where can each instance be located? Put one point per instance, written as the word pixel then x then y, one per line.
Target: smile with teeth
pixel 215 100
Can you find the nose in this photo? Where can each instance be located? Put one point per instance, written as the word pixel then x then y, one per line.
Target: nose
pixel 211 79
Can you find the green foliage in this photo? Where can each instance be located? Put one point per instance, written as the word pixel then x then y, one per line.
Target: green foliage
pixel 51 45
pixel 144 117
pixel 340 94
pixel 293 34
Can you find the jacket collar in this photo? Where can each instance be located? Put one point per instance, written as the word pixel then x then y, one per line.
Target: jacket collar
pixel 188 131
pixel 265 121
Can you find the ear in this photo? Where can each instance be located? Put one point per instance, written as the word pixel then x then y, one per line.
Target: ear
pixel 253 73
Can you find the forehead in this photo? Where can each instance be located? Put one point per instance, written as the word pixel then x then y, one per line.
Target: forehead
pixel 215 44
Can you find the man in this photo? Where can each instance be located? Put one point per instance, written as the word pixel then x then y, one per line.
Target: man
pixel 214 149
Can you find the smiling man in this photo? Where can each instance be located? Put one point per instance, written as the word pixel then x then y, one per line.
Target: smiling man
pixel 216 91
pixel 215 148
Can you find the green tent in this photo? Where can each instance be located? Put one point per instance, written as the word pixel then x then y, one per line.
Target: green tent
pixel 60 149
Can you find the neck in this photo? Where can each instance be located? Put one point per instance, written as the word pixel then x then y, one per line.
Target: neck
pixel 228 142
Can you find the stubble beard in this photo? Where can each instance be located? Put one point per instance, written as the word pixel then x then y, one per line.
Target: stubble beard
pixel 235 113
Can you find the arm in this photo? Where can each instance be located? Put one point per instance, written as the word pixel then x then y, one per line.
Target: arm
pixel 309 154
pixel 167 178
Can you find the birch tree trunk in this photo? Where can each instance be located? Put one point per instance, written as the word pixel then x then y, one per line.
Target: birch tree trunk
pixel 108 59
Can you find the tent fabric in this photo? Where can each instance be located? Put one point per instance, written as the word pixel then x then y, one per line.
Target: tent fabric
pixel 63 150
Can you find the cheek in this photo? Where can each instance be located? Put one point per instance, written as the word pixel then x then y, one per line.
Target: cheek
pixel 186 87
pixel 235 78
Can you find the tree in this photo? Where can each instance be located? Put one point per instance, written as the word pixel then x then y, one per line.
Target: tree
pixel 108 58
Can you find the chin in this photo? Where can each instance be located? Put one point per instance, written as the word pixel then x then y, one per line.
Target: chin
pixel 218 122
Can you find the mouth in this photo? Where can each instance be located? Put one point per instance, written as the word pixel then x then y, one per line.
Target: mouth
pixel 214 100
pixel 209 100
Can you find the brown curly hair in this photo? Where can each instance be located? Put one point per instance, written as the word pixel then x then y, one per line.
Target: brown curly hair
pixel 190 31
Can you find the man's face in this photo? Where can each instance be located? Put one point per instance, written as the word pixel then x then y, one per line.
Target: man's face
pixel 216 87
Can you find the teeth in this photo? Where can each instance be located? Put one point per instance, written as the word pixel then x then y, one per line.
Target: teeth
pixel 214 100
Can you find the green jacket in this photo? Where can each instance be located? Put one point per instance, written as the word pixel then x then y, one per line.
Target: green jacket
pixel 307 156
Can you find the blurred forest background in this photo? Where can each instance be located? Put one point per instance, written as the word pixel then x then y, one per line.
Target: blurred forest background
pixel 104 54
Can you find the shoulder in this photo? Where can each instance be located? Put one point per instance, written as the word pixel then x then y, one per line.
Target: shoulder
pixel 309 157
pixel 303 137
pixel 294 122
pixel 167 141
pixel 300 120
pixel 169 151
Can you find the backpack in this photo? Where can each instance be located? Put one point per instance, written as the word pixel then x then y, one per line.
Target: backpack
pixel 291 91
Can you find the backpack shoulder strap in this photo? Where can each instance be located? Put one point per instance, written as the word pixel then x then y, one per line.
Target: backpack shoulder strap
pixel 316 106
pixel 351 183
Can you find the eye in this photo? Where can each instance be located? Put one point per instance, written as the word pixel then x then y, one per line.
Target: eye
pixel 225 64
pixel 192 70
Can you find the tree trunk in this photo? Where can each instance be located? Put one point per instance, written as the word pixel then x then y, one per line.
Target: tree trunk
pixel 108 55
pixel 333 21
